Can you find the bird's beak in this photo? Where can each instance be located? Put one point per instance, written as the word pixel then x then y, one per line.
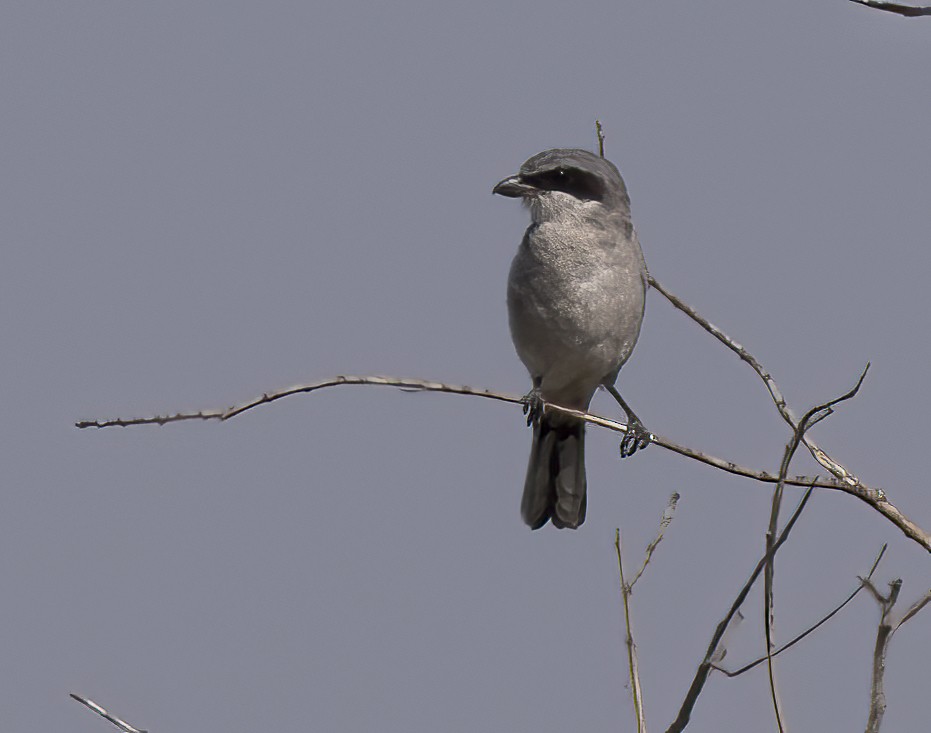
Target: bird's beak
pixel 514 188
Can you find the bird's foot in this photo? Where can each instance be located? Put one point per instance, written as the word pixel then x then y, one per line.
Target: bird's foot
pixel 636 438
pixel 533 406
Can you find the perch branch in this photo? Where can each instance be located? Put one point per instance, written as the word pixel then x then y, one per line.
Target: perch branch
pixel 873 497
pixel 419 385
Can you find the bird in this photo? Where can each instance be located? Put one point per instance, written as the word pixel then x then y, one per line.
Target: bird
pixel 576 295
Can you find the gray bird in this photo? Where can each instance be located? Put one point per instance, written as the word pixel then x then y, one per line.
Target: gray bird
pixel 576 295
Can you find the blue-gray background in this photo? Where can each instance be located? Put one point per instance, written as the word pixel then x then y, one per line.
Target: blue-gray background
pixel 205 200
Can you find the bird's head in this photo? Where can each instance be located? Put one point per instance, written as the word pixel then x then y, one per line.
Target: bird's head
pixel 567 182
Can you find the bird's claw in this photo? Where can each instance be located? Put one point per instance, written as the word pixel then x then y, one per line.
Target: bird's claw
pixel 636 438
pixel 533 406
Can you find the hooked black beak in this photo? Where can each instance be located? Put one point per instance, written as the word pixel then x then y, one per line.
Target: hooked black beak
pixel 514 187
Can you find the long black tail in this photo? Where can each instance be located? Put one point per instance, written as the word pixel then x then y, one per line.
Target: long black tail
pixel 555 485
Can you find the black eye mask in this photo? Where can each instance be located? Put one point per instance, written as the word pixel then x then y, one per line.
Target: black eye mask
pixel 578 183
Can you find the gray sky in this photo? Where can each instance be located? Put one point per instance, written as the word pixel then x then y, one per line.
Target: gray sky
pixel 206 200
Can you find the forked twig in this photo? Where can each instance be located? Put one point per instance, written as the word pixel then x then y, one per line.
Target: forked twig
pixel 788 645
pixel 633 670
pixel 707 663
pixel 887 628
pixel 668 513
pixel 815 415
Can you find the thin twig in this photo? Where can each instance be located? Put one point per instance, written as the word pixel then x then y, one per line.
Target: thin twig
pixel 876 498
pixel 785 411
pixel 632 668
pixel 599 130
pixel 915 608
pixel 769 573
pixel 707 664
pixel 663 524
pixel 837 609
pixel 121 724
pixel 909 11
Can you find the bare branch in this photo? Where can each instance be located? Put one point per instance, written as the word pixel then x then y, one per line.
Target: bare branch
pixel 876 498
pixel 884 634
pixel 707 664
pixel 837 609
pixel 663 524
pixel 121 724
pixel 877 690
pixel 633 669
pixel 909 11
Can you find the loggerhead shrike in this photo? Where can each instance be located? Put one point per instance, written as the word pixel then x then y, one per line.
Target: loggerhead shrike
pixel 576 295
